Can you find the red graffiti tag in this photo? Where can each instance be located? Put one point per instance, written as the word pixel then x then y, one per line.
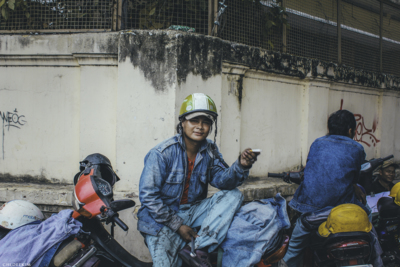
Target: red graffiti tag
pixel 363 134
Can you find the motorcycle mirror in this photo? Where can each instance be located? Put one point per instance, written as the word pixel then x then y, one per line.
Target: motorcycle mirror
pixel 122 204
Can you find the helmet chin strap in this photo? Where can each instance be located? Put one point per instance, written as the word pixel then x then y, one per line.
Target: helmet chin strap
pixel 216 130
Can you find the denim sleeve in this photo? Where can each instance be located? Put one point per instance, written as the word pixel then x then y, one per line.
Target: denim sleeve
pixel 360 161
pixel 227 178
pixel 151 181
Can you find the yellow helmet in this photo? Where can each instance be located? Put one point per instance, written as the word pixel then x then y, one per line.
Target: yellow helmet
pixel 198 103
pixel 397 199
pixel 345 218
pixel 394 190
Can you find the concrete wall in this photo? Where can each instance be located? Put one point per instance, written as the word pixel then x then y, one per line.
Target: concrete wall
pixel 63 97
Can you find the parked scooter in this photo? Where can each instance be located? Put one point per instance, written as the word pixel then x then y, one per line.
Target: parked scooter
pixel 388 229
pixel 388 223
pixel 338 249
pixel 93 204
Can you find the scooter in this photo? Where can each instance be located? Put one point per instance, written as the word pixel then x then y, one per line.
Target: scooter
pixel 340 249
pixel 388 230
pixel 93 204
pixel 388 223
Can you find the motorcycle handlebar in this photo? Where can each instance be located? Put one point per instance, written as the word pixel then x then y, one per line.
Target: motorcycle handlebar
pixel 120 223
pixel 276 175
pixel 388 157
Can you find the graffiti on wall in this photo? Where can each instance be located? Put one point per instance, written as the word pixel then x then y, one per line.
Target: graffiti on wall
pixel 364 134
pixel 11 120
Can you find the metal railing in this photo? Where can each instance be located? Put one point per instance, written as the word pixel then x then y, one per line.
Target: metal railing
pixel 364 34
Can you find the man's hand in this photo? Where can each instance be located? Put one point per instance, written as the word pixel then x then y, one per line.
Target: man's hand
pixel 186 233
pixel 247 158
pixel 360 195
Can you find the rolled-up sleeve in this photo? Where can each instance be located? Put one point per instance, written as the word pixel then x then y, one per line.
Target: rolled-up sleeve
pixel 227 178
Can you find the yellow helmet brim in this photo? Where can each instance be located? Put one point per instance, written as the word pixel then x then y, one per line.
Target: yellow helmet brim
pixel 323 231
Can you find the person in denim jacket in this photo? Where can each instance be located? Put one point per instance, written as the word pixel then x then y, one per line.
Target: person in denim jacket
pixel 330 178
pixel 173 189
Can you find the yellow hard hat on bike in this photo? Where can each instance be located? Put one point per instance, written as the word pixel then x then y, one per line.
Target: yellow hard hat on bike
pixel 394 190
pixel 345 218
pixel 397 199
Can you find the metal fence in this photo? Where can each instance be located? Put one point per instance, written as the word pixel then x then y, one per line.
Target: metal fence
pixel 368 37
pixel 162 14
pixel 55 15
pixel 245 22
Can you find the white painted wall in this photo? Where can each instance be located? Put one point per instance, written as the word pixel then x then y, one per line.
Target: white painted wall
pixel 77 98
pixel 74 96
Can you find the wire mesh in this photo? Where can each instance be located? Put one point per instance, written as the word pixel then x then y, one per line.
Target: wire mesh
pixel 313 29
pixel 391 40
pixel 360 34
pixel 56 15
pixel 161 14
pixel 245 22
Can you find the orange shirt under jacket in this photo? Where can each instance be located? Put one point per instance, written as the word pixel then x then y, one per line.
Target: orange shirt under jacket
pixel 184 199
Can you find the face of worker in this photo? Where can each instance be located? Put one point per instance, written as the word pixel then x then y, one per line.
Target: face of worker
pixel 387 174
pixel 197 129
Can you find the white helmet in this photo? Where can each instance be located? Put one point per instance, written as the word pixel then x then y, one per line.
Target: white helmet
pixel 16 213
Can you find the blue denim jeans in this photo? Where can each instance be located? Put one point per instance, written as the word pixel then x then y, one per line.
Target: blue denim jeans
pixel 299 240
pixel 214 215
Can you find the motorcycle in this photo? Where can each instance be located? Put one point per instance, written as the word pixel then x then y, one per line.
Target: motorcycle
pixel 339 249
pixel 388 230
pixel 388 222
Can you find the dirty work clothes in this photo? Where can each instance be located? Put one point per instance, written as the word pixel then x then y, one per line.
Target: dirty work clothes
pixel 214 215
pixel 29 244
pixel 299 240
pixel 163 179
pixel 333 165
pixel 255 230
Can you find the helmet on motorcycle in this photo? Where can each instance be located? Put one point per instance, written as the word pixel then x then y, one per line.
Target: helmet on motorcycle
pixel 394 190
pixel 397 198
pixel 16 213
pixel 345 218
pixel 198 103
pixel 102 168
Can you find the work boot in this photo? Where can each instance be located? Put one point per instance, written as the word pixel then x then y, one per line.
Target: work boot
pixel 200 260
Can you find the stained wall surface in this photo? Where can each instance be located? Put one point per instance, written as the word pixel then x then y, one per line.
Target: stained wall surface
pixel 63 97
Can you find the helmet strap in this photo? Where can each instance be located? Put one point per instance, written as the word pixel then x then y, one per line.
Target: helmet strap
pixel 216 130
pixel 180 131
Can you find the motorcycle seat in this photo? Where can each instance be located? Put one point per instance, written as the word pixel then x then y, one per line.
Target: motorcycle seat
pixel 319 241
pixel 387 208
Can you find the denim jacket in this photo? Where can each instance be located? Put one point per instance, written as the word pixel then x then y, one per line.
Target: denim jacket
pixel 333 165
pixel 35 244
pixel 163 180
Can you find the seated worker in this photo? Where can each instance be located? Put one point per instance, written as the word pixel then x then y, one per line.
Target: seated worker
pixel 384 181
pixel 173 189
pixel 330 176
